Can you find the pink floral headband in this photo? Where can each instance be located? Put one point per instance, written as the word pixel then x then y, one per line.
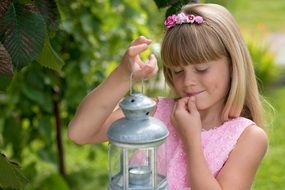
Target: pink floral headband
pixel 182 18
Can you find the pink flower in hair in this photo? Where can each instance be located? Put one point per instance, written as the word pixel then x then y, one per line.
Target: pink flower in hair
pixel 170 21
pixel 199 19
pixel 191 18
pixel 181 18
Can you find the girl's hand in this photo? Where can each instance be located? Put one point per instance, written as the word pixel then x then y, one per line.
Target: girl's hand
pixel 141 70
pixel 186 118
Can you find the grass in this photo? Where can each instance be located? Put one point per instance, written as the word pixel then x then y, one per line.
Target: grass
pixel 271 174
pixel 259 14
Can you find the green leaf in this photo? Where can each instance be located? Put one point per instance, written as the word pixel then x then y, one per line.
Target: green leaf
pixel 49 58
pixel 4 4
pixel 4 82
pixel 12 134
pixel 173 10
pixel 48 9
pixel 6 67
pixel 176 7
pixel 164 3
pixel 26 1
pixel 55 181
pixel 22 31
pixel 10 174
pixel 39 96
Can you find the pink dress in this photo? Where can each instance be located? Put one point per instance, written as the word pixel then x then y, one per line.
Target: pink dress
pixel 217 144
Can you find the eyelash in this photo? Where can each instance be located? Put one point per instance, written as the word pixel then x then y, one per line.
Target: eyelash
pixel 201 70
pixel 177 72
pixel 196 70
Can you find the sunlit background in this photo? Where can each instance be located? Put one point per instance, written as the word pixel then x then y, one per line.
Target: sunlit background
pixel 91 39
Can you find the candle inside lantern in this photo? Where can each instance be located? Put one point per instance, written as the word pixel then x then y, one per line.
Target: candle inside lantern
pixel 139 175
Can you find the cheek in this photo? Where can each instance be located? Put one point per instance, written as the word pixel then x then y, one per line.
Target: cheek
pixel 218 85
pixel 221 86
pixel 176 87
pixel 177 83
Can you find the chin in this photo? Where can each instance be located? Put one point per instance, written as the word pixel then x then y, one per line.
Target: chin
pixel 200 107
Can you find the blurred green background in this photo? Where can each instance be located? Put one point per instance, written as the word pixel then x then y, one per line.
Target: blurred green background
pixel 92 37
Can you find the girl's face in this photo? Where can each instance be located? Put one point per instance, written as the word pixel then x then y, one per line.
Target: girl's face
pixel 208 82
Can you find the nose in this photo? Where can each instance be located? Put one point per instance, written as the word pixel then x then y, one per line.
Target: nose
pixel 190 78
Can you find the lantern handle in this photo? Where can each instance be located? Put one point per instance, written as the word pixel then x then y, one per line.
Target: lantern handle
pixel 131 84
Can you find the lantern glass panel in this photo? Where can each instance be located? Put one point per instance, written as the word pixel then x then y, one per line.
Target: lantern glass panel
pixel 115 166
pixel 140 167
pixel 161 164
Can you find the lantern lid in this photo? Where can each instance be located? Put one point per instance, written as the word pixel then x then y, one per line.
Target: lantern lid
pixel 137 100
pixel 138 127
pixel 149 132
pixel 137 106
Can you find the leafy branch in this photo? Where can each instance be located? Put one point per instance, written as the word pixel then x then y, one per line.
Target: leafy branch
pixel 25 29
pixel 173 6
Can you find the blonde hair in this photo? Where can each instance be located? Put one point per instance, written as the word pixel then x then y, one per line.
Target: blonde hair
pixel 217 37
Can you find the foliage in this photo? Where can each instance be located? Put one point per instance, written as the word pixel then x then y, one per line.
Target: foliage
pixel 91 41
pixel 264 63
pixel 271 174
pixel 173 6
pixel 10 176
pixel 25 27
pixel 270 20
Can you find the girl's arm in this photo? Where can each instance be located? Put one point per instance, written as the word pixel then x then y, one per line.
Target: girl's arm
pixel 96 112
pixel 238 172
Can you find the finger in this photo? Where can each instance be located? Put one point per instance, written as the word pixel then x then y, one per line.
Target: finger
pixel 182 103
pixel 137 49
pixel 152 61
pixel 150 66
pixel 141 40
pixel 191 104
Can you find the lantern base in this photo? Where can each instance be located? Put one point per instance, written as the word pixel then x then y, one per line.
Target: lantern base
pixel 117 184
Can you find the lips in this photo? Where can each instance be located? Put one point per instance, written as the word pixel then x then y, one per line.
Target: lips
pixel 194 93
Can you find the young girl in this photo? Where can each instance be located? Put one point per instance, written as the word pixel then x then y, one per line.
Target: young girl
pixel 215 122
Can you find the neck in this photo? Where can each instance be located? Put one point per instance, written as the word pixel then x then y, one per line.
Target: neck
pixel 211 118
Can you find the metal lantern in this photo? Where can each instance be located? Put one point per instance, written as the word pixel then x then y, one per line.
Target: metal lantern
pixel 137 154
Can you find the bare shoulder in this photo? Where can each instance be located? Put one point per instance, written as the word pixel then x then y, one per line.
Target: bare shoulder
pixel 243 162
pixel 252 145
pixel 254 137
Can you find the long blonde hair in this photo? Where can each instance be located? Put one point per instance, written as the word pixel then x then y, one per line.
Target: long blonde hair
pixel 218 36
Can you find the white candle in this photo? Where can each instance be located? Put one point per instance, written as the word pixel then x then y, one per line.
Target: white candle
pixel 139 175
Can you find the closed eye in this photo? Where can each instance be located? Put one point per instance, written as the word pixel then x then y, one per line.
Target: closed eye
pixel 201 70
pixel 177 70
